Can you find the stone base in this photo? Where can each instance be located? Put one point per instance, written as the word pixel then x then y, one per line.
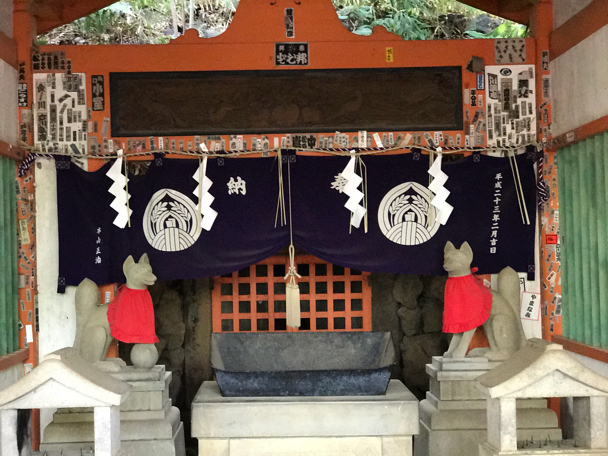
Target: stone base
pixel 326 446
pixel 281 426
pixel 149 425
pixel 465 442
pixel 173 446
pixel 487 450
pixel 453 417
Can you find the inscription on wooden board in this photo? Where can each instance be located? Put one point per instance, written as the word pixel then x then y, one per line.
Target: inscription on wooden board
pixel 296 101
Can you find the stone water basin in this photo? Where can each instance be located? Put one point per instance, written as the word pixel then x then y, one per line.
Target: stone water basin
pixel 302 364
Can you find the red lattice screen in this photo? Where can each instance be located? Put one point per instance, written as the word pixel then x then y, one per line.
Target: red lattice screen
pixel 332 298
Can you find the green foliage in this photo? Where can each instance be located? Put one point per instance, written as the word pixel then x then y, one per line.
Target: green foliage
pixel 124 22
pixel 506 30
pixel 151 21
pixel 410 19
pixel 416 19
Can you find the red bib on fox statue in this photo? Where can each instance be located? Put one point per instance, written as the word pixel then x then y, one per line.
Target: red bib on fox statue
pixel 467 303
pixel 131 317
pixel 131 313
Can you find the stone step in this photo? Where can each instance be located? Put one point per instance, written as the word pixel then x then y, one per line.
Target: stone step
pixel 132 374
pixel 71 432
pixel 151 385
pixel 86 415
pixel 478 404
pixel 455 390
pixel 463 364
pixel 173 446
pixel 145 400
pixel 452 375
pixel 466 442
pixel 435 419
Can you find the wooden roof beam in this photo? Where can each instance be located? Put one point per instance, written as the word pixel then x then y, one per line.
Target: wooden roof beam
pixel 512 10
pixel 66 12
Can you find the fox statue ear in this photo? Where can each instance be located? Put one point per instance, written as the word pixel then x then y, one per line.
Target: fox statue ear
pixel 128 262
pixel 465 247
pixel 448 246
pixel 144 259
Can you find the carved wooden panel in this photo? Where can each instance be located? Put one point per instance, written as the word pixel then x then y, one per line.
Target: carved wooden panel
pixel 296 101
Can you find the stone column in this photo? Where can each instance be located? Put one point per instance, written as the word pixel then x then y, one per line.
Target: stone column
pixel 502 428
pixel 8 432
pixel 107 431
pixel 590 422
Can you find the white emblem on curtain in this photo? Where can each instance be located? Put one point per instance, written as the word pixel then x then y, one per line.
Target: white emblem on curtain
pixel 171 221
pixel 406 216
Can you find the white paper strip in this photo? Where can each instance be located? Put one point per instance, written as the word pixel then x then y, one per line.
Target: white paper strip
pixel 378 141
pixel 118 190
pixel 444 209
pixel 353 181
pixel 208 215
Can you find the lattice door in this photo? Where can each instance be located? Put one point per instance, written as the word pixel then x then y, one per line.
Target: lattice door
pixel 332 298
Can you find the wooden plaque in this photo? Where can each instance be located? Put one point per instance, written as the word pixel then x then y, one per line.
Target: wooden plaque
pixel 285 101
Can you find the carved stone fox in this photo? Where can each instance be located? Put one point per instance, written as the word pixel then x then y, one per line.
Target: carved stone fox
pixel 503 327
pixel 93 334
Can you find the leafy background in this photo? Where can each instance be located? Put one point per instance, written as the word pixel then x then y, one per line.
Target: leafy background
pixel 157 21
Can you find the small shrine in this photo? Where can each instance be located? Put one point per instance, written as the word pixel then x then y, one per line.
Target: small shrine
pixel 540 370
pixel 65 380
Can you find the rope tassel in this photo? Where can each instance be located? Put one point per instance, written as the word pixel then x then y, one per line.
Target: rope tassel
pixel 292 292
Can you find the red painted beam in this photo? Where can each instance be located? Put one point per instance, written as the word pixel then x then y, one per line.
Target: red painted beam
pixel 20 356
pixel 8 50
pixel 581 133
pixel 582 349
pixel 495 7
pixel 12 152
pixel 70 11
pixel 579 27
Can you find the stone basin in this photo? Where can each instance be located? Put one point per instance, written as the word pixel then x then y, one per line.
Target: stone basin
pixel 302 364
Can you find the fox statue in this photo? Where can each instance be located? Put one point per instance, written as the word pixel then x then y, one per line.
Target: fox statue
pixel 129 318
pixel 499 313
pixel 93 336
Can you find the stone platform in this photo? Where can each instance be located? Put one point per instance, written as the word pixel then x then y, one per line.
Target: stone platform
pixel 488 450
pixel 149 424
pixel 328 425
pixel 453 417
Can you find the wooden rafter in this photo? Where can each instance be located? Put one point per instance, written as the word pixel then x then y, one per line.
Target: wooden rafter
pixel 54 13
pixel 12 152
pixel 513 10
pixel 8 50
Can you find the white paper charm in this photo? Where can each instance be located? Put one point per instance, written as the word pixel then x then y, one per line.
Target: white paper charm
pixel 351 188
pixel 118 190
pixel 208 215
pixel 444 209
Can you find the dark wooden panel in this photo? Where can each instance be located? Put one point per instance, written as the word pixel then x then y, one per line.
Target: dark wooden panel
pixel 288 101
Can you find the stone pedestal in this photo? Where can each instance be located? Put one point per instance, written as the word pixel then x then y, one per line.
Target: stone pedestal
pixel 329 425
pixel 453 417
pixel 8 431
pixel 488 450
pixel 149 424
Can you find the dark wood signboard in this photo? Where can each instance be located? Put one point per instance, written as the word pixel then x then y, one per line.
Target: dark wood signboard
pixel 281 101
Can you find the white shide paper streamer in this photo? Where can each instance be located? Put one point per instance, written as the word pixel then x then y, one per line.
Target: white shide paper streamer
pixel 444 209
pixel 353 181
pixel 208 215
pixel 118 190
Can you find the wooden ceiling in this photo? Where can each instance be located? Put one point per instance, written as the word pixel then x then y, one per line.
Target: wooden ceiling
pixel 53 13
